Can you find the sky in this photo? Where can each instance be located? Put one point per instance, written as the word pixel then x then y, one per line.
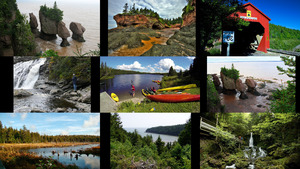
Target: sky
pixel 59 1
pixel 146 120
pixel 54 123
pixel 149 64
pixel 225 59
pixel 165 8
pixel 282 12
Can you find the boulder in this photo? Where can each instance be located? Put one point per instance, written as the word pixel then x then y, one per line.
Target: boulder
pixel 216 80
pixel 243 96
pixel 251 87
pixel 48 27
pixel 33 21
pixel 228 83
pixel 132 20
pixel 240 86
pixel 55 91
pixel 22 93
pixel 158 25
pixel 62 30
pixel 78 31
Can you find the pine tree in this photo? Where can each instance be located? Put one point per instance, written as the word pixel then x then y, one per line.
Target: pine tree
pixel 125 11
pixel 159 145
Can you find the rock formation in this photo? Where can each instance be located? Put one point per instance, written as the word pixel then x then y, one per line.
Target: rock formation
pixel 64 33
pixel 251 87
pixel 241 88
pixel 132 20
pixel 228 84
pixel 190 18
pixel 6 48
pixel 33 25
pixel 48 27
pixel 78 31
pixel 158 25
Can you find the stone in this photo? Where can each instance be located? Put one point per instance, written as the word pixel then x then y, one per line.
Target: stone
pixel 64 43
pixel 228 83
pixel 216 80
pixel 33 21
pixel 132 20
pixel 190 18
pixel 73 93
pixel 60 109
pixel 240 86
pixel 78 31
pixel 22 93
pixel 251 83
pixel 55 91
pixel 86 98
pixel 158 25
pixel 48 27
pixel 243 96
pixel 62 30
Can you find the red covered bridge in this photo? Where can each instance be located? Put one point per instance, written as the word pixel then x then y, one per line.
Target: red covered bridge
pixel 259 25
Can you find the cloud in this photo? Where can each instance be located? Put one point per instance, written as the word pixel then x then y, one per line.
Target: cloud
pixel 165 64
pixel 64 132
pixel 23 116
pixel 190 57
pixel 92 122
pixel 32 127
pixel 135 66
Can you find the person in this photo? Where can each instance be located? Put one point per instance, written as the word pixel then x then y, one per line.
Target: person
pixel 133 90
pixel 74 79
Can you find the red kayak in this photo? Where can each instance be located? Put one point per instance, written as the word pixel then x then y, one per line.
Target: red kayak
pixel 174 98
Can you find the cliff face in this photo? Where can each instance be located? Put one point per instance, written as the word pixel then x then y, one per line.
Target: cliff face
pixel 190 18
pixel 137 21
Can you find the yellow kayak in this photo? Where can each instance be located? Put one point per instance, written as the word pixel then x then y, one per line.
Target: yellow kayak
pixel 178 87
pixel 114 97
pixel 144 93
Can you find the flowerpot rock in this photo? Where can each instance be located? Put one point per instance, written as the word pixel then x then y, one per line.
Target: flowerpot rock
pixel 78 31
pixel 252 87
pixel 48 27
pixel 64 33
pixel 228 85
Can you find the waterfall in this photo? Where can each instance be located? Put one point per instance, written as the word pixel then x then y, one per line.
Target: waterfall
pixel 27 73
pixel 251 141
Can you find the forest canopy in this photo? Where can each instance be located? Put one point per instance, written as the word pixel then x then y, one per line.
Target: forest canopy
pixel 168 130
pixel 53 13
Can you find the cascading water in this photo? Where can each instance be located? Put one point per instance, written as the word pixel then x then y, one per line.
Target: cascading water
pixel 27 73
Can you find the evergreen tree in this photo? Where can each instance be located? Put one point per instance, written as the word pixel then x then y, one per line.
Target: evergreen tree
pixel 125 11
pixel 160 145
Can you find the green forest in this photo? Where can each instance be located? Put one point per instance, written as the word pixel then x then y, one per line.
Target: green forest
pixel 23 135
pixel 168 130
pixel 277 134
pixel 129 149
pixel 284 38
pixel 52 13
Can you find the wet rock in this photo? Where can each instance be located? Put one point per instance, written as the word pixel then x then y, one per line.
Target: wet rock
pixel 270 98
pixel 37 110
pixel 158 25
pixel 60 109
pixel 264 94
pixel 48 27
pixel 73 94
pixel 216 80
pixel 259 105
pixel 75 98
pixel 243 96
pixel 22 93
pixel 33 25
pixel 78 31
pixel 228 83
pixel 132 20
pixel 251 84
pixel 64 33
pixel 240 86
pixel 55 91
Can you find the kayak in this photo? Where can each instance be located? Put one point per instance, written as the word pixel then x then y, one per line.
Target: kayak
pixel 149 91
pixel 178 87
pixel 145 93
pixel 174 98
pixel 114 97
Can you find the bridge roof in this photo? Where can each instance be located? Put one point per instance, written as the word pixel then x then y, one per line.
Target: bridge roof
pixel 250 4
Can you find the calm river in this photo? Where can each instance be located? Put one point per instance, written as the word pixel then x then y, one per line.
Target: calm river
pixel 121 84
pixel 142 132
pixel 83 161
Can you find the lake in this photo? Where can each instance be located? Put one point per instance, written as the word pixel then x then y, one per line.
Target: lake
pixel 121 84
pixel 85 12
pixel 164 138
pixel 83 161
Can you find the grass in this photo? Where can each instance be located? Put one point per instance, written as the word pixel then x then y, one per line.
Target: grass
pixel 93 151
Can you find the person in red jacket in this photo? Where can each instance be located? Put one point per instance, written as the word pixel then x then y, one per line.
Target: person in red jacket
pixel 133 90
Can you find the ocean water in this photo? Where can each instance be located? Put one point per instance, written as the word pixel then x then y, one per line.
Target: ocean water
pixel 86 12
pixel 142 132
pixel 257 67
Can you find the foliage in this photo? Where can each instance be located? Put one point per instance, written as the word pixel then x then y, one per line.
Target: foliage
pixel 231 73
pixel 185 135
pixel 63 68
pixel 188 8
pixel 6 9
pixel 213 99
pixel 49 164
pixel 285 98
pixel 10 135
pixel 283 38
pixel 90 53
pixel 133 148
pixel 52 13
pixel 172 72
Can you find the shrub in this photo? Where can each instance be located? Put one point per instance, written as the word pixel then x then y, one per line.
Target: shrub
pixel 52 13
pixel 232 73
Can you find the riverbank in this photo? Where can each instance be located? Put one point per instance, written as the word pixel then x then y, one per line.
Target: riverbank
pixel 41 145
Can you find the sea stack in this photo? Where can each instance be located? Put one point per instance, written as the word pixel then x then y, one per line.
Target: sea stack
pixel 64 33
pixel 48 27
pixel 33 25
pixel 78 31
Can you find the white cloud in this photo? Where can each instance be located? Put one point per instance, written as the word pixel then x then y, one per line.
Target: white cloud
pixel 165 64
pixel 92 122
pixel 135 66
pixel 32 127
pixel 64 132
pixel 190 57
pixel 23 116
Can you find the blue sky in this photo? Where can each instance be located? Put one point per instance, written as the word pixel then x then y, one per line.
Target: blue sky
pixel 54 123
pixel 282 12
pixel 146 120
pixel 165 8
pixel 148 64
pixel 226 59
